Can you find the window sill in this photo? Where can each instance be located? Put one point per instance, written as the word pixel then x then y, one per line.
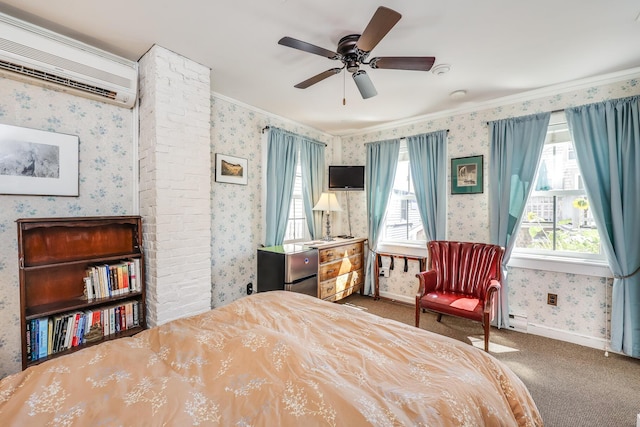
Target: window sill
pixel 403 249
pixel 585 267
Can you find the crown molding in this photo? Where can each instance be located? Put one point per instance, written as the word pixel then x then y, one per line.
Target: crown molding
pixel 507 100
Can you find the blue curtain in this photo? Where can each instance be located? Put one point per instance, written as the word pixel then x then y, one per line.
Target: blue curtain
pixel 607 140
pixel 312 164
pixel 515 148
pixel 380 172
pixel 428 160
pixel 282 150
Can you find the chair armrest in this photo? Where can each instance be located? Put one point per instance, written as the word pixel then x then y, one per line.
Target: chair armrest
pixel 427 281
pixel 494 287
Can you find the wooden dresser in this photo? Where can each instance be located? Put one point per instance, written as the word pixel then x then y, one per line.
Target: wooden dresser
pixel 340 268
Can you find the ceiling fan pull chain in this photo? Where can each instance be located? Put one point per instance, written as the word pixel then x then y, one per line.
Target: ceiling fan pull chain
pixel 344 83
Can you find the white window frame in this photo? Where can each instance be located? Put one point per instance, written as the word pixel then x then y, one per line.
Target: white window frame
pixel 401 246
pixel 560 261
pixel 295 196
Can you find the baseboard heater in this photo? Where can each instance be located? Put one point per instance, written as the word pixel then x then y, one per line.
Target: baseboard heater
pixel 518 322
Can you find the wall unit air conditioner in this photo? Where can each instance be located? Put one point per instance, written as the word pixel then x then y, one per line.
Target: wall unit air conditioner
pixel 34 54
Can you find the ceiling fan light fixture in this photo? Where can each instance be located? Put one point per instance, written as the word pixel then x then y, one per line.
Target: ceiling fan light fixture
pixel 364 84
pixel 352 67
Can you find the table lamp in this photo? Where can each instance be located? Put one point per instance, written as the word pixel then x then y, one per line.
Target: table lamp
pixel 328 203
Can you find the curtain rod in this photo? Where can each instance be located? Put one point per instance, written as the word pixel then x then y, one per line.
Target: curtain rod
pixel 318 142
pixel 552 112
pixel 404 137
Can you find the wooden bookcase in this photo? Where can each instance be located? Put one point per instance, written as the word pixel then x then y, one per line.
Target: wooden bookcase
pixel 54 256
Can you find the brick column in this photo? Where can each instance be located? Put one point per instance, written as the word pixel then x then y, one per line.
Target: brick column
pixel 175 184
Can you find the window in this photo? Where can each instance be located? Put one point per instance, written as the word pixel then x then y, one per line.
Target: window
pixel 297 230
pixel 557 219
pixel 402 223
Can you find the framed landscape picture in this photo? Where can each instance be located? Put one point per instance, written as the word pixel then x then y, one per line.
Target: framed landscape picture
pixel 466 175
pixel 36 162
pixel 232 170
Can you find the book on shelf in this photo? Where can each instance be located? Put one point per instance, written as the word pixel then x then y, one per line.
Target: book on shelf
pixel 43 332
pixel 57 333
pixel 28 335
pixel 103 281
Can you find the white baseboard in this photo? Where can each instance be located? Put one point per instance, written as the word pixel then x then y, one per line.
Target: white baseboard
pixel 531 328
pixel 400 298
pixel 562 335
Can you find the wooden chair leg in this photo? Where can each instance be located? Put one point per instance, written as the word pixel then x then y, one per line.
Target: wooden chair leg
pixel 417 313
pixel 486 332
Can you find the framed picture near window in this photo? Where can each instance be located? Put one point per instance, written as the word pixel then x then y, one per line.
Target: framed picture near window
pixel 37 162
pixel 466 175
pixel 232 170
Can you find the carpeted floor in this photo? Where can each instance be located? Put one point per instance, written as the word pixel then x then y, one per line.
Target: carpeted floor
pixel 572 385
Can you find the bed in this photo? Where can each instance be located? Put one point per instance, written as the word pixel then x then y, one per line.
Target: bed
pixel 272 359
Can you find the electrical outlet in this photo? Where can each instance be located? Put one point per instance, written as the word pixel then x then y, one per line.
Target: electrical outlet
pixel 552 299
pixel 383 272
pixel 249 288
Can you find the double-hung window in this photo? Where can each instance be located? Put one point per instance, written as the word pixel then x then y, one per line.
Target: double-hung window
pixel 557 220
pixel 402 224
pixel 297 230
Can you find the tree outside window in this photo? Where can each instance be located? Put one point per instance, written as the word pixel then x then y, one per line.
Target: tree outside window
pixel 557 219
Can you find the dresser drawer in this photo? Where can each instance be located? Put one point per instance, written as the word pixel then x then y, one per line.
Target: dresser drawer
pixel 343 294
pixel 330 254
pixel 341 283
pixel 341 266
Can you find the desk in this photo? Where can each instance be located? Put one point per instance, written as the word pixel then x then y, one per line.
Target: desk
pixel 376 279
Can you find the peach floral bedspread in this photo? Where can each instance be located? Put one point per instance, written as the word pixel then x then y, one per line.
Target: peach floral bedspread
pixel 272 359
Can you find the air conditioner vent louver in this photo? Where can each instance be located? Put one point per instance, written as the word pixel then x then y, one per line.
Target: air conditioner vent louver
pixel 56 79
pixel 36 55
pixel 62 63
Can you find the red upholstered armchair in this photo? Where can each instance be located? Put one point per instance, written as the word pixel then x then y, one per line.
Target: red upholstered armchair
pixel 462 279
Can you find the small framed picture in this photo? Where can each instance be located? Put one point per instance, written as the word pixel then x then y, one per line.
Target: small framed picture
pixel 466 175
pixel 37 162
pixel 232 170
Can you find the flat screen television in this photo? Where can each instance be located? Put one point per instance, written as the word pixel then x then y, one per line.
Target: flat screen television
pixel 346 178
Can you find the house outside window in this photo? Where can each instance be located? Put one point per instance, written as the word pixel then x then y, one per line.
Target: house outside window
pixel 557 219
pixel 297 230
pixel 402 223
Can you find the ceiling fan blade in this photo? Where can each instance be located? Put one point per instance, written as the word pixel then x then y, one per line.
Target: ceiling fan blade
pixel 382 21
pixel 417 63
pixel 318 78
pixel 365 86
pixel 308 47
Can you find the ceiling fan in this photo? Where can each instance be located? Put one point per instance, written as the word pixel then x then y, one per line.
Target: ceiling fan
pixel 353 50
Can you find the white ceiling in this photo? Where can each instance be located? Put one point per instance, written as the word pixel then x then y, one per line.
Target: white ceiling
pixel 495 48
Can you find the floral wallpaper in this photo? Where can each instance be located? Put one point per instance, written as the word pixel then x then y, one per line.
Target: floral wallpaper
pixel 584 301
pixel 237 210
pixel 105 175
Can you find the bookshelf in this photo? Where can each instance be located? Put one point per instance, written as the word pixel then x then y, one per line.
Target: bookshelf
pixel 55 256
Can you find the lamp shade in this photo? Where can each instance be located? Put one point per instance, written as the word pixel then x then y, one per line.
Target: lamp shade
pixel 327 202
